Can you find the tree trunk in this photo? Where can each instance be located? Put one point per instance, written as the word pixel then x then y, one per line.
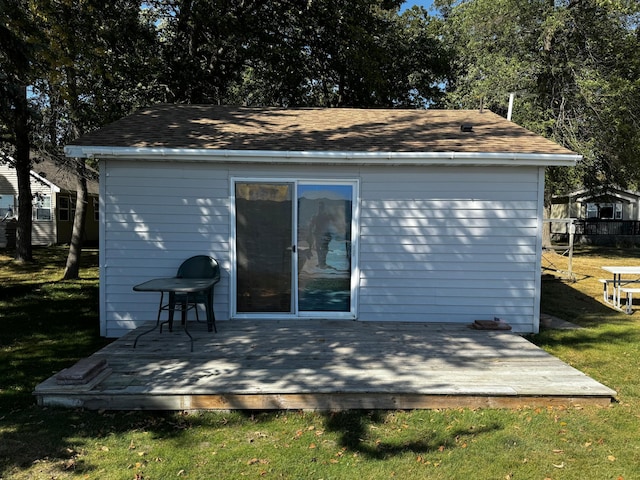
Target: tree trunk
pixel 24 251
pixel 72 268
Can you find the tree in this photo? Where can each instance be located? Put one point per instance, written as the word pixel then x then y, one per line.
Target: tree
pixel 284 53
pixel 96 75
pixel 574 65
pixel 19 40
pixel 342 53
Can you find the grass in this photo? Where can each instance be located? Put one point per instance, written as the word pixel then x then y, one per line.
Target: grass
pixel 46 325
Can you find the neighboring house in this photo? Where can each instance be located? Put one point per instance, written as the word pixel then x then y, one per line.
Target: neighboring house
pixel 370 215
pixel 609 204
pixel 53 188
pixel 600 216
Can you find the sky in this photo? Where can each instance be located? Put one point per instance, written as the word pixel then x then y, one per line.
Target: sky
pixel 410 3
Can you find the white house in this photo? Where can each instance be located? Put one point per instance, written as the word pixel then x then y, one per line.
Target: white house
pixel 369 215
pixel 53 187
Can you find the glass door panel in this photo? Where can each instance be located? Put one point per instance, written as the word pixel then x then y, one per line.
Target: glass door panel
pixel 264 239
pixel 324 247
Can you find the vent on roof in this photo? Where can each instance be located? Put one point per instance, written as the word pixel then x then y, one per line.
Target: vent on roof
pixel 466 127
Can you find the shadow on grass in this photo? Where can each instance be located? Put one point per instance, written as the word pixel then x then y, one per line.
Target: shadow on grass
pixel 565 300
pixel 33 434
pixel 60 436
pixel 354 429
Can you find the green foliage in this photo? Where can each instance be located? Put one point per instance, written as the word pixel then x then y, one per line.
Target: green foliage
pixel 101 61
pixel 321 53
pixel 574 68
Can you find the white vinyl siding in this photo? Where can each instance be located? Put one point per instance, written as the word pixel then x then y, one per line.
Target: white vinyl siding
pixel 156 216
pixel 43 224
pixel 435 244
pixel 449 244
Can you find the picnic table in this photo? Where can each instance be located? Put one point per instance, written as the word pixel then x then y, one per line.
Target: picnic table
pixel 621 283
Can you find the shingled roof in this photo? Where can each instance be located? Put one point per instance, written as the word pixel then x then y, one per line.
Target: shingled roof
pixel 209 127
pixel 63 175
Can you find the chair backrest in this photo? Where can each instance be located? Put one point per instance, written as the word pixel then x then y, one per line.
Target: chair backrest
pixel 200 266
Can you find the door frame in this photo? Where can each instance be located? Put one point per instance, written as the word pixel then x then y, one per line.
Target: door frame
pixel 352 314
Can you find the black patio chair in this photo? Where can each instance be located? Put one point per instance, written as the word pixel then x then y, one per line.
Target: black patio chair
pixel 199 266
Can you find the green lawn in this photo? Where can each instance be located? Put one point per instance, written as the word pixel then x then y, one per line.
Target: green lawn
pixel 46 325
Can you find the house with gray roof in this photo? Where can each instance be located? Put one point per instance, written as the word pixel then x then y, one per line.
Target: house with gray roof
pixel 359 214
pixel 53 187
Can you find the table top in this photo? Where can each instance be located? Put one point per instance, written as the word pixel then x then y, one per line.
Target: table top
pixel 176 285
pixel 631 270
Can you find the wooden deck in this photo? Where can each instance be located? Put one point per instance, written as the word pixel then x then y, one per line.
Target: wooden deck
pixel 326 365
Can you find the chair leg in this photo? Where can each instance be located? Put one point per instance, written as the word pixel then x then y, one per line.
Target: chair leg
pixel 211 317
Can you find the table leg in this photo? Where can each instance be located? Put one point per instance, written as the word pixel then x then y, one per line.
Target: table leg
pixel 619 286
pixel 157 321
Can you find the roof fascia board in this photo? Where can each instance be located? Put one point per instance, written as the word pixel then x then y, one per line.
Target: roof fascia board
pixel 54 188
pixel 629 197
pixel 50 184
pixel 324 157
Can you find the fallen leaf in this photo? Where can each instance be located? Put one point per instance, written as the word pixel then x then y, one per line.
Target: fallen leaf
pixel 557 450
pixel 558 466
pixel 611 458
pixel 312 445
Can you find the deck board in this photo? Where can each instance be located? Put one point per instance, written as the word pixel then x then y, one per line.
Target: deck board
pixel 308 364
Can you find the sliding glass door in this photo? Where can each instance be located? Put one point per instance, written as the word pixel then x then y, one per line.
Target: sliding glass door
pixel 294 248
pixel 324 247
pixel 264 247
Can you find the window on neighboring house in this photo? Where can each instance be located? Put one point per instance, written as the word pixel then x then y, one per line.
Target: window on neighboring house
pixel 63 209
pixel 617 211
pixel 66 208
pixel 41 207
pixel 96 209
pixel 7 206
pixel 604 211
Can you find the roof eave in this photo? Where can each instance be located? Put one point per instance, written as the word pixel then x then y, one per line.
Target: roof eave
pixel 54 188
pixel 324 157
